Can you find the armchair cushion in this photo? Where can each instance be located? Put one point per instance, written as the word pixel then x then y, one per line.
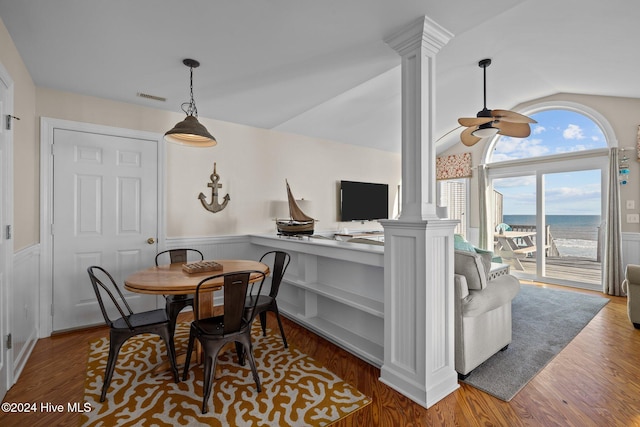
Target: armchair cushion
pixel 474 267
pixel 498 292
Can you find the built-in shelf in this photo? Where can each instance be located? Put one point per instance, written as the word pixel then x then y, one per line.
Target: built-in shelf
pixel 361 347
pixel 335 289
pixel 356 301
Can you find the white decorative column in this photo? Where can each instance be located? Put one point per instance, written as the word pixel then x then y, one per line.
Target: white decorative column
pixel 418 266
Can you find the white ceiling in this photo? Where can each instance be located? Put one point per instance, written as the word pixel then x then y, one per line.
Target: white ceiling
pixel 321 68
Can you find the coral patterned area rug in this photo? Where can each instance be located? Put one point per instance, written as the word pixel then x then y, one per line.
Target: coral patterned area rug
pixel 296 390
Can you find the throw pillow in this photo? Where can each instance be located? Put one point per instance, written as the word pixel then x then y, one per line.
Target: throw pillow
pixel 460 244
pixel 471 266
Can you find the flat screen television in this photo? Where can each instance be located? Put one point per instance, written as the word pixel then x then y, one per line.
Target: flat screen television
pixel 363 201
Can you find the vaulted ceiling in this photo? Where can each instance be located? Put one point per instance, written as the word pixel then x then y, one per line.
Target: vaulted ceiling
pixel 322 68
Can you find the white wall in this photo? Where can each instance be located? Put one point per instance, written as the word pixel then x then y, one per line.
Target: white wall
pixel 252 163
pixel 25 146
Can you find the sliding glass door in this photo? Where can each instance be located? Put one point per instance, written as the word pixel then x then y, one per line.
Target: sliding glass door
pixel 550 226
pixel 572 203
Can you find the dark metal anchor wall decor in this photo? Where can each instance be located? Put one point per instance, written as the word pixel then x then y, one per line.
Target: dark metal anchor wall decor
pixel 214 206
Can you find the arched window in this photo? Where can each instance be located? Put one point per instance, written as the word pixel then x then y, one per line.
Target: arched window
pixel 550 189
pixel 558 131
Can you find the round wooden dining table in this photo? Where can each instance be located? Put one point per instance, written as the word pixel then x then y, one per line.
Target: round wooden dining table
pixel 171 279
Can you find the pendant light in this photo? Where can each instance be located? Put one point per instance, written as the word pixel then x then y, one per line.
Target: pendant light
pixel 189 131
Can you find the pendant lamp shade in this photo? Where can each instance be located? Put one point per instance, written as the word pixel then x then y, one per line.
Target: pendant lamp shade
pixel 190 131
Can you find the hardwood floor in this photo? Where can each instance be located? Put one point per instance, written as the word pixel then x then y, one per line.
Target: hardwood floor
pixel 592 382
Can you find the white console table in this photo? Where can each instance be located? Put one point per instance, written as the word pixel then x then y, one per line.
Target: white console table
pixel 335 289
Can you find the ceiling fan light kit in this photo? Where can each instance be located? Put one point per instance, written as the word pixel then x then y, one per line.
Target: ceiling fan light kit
pixel 485 131
pixel 488 123
pixel 190 131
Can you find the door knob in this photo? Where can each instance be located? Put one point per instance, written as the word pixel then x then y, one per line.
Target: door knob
pixel 151 240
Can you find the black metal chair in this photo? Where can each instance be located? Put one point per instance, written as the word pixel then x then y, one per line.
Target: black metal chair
pixel 265 303
pixel 233 326
pixel 174 304
pixel 129 324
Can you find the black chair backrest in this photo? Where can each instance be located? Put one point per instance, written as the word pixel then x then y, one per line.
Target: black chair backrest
pixel 280 263
pixel 236 288
pixel 181 255
pixel 103 282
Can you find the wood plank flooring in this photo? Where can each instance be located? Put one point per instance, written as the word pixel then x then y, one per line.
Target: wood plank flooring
pixel 592 382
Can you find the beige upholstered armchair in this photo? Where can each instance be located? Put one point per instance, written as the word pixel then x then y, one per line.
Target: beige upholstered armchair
pixel 631 286
pixel 482 310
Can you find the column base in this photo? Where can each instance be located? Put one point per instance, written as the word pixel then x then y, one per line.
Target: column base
pixel 419 357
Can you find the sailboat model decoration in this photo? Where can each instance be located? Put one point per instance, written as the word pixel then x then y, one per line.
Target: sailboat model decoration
pixel 300 223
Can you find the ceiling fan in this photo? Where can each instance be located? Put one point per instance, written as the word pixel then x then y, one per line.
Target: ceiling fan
pixel 490 122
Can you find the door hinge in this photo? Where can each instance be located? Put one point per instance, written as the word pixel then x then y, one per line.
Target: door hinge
pixel 7 233
pixel 9 117
pixel 9 342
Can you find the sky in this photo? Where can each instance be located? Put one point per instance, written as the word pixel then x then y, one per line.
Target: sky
pixel 572 193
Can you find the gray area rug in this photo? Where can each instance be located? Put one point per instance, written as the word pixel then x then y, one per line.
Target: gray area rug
pixel 544 322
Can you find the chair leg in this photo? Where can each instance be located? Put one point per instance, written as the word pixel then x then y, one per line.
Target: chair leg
pixel 167 337
pixel 240 353
pixel 188 358
pixel 173 307
pixel 211 351
pixel 209 368
pixel 114 348
pixel 263 322
pixel 249 354
pixel 172 319
pixel 284 338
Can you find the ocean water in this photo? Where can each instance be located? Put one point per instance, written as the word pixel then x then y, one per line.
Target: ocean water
pixel 574 235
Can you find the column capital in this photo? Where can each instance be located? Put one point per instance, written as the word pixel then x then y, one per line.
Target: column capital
pixel 423 32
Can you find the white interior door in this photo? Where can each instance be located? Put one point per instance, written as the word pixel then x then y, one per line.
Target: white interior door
pixel 105 210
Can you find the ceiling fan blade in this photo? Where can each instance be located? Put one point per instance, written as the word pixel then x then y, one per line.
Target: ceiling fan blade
pixel 468 139
pixel 517 130
pixel 474 121
pixel 510 116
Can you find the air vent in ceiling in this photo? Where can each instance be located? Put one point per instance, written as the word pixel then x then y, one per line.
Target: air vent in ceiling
pixel 155 98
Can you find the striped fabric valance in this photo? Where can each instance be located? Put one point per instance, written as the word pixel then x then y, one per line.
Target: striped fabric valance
pixel 453 166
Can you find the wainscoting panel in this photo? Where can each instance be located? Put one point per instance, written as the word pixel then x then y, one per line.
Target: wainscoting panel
pixel 24 306
pixel 630 248
pixel 224 247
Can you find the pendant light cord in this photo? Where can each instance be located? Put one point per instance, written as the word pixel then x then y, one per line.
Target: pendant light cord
pixel 191 109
